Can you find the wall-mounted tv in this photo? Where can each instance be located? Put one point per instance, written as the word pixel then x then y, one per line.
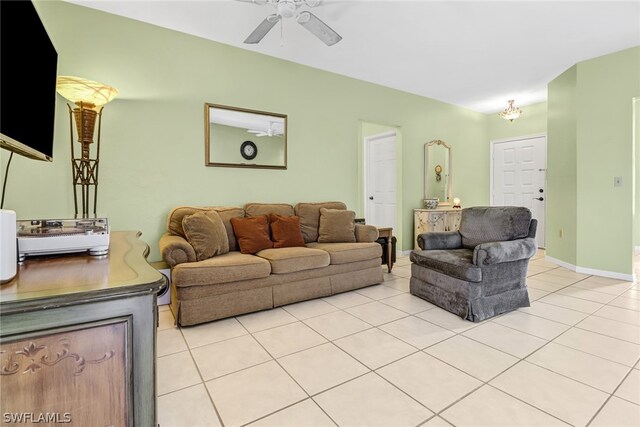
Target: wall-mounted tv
pixel 28 62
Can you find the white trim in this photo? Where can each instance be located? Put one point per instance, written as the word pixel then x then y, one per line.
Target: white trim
pixel 637 249
pixel 592 271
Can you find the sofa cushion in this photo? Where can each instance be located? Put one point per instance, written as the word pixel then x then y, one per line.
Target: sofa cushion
pixel 256 209
pixel 336 226
pixel 174 220
pixel 285 231
pixel 205 232
pixel 289 260
pixel 344 253
pixel 452 262
pixel 252 233
pixel 230 267
pixel 309 214
pixel 493 224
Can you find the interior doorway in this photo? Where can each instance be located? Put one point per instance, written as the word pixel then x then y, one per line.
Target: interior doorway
pixel 519 177
pixel 380 179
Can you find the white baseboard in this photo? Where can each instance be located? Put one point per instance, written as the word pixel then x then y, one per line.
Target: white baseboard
pixel 592 271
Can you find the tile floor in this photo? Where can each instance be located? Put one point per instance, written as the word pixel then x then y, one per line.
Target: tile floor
pixel 381 357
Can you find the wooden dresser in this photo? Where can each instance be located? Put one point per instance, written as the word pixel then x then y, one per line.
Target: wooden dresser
pixel 78 338
pixel 434 220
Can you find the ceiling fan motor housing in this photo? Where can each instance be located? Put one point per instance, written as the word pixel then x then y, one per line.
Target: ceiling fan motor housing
pixel 287 8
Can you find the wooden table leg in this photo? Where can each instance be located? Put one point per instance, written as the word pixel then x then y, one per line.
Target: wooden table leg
pixel 389 255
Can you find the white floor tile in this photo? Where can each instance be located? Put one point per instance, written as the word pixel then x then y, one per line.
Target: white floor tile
pixel 509 340
pixel 170 341
pixel 211 332
pixel 534 283
pixel 375 313
pixel 175 372
pixel 401 271
pixel 607 288
pixel 312 308
pixel 617 413
pixel 431 382
pixel 371 401
pixel 166 320
pixel 489 407
pixel 320 368
pixel 628 303
pixel 630 387
pixel 266 319
pixel 225 357
pixel 163 307
pixel 533 325
pixel 472 357
pixel 436 422
pixel 400 284
pixel 555 313
pixel 572 303
pixel 609 348
pixel 554 278
pixel 247 395
pixel 305 413
pixel 563 272
pixel 288 339
pixel 337 324
pixel 562 397
pixel 374 348
pixel 347 299
pixel 447 320
pixel 408 303
pixel 611 328
pixel 187 407
pixel 592 370
pixel 619 314
pixel 536 294
pixel 417 332
pixel 632 293
pixel 377 292
pixel 586 294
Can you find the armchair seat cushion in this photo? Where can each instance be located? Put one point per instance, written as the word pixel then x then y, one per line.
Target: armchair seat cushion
pixel 456 263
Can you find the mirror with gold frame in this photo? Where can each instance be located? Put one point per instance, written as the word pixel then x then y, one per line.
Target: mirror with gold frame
pixel 242 138
pixel 437 172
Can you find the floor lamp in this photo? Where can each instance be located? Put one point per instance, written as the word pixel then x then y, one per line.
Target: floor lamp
pixel 89 98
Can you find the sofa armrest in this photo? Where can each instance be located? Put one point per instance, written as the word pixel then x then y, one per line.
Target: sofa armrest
pixel 440 240
pixel 366 233
pixel 176 250
pixel 499 252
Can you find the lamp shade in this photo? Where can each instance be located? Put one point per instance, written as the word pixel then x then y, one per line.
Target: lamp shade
pixel 77 89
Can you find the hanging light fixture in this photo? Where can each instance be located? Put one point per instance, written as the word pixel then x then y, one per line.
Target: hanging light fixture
pixel 511 112
pixel 89 98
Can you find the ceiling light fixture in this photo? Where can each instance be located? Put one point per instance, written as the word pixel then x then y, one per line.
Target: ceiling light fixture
pixel 511 112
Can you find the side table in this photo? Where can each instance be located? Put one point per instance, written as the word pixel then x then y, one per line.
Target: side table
pixel 387 233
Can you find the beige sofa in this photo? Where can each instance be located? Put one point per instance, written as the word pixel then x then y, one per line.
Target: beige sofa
pixel 235 283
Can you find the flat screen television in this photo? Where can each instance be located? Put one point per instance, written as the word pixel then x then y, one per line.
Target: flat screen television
pixel 28 68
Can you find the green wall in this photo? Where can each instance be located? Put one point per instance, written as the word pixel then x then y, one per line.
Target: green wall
pixel 152 155
pixel 590 139
pixel 561 168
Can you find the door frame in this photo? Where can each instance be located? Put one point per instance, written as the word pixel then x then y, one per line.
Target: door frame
pixel 492 145
pixel 366 141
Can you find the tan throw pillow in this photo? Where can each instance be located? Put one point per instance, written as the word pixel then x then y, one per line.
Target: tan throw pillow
pixel 336 225
pixel 206 233
pixel 252 233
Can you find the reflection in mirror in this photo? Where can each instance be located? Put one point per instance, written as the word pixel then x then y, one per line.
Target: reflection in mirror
pixel 236 137
pixel 437 172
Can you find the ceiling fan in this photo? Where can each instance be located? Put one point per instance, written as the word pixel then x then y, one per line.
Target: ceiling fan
pixel 289 9
pixel 270 131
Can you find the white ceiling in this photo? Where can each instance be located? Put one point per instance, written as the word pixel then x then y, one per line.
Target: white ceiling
pixel 475 54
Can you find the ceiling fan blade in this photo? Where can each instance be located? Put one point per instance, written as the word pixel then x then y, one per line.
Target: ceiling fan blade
pixel 262 29
pixel 321 30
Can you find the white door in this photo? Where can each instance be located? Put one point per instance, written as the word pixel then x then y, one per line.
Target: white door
pixel 519 177
pixel 380 180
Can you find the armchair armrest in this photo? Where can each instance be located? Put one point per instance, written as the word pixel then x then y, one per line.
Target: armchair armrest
pixel 440 240
pixel 366 233
pixel 499 252
pixel 176 250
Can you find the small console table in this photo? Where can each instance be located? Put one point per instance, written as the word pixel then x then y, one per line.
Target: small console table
pixel 425 220
pixel 78 338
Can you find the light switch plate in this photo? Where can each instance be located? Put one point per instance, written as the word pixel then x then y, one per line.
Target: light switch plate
pixel 617 181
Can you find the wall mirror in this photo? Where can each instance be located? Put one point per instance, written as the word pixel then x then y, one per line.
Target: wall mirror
pixel 241 138
pixel 437 172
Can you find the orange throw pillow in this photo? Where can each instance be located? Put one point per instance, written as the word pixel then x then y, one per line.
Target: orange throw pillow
pixel 252 233
pixel 285 231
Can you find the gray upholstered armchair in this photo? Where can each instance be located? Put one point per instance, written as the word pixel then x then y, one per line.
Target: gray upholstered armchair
pixel 479 271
